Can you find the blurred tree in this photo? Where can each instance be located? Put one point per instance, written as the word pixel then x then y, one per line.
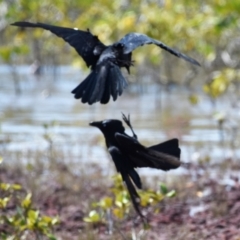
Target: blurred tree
pixel 205 30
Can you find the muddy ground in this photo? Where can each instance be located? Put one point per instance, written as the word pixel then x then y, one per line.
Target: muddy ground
pixel 205 207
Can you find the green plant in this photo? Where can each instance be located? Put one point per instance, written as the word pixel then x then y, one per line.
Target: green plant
pixel 19 218
pixel 118 204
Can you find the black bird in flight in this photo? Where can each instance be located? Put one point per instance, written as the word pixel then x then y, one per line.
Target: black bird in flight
pixel 105 79
pixel 127 154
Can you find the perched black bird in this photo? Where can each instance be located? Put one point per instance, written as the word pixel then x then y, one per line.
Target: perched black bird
pixel 127 154
pixel 105 79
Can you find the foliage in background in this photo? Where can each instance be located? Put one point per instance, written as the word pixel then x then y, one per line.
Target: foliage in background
pixel 206 30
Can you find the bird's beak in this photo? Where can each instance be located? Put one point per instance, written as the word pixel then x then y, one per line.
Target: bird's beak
pixel 96 124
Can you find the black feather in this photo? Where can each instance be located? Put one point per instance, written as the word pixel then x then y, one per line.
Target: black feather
pixel 83 41
pixel 169 147
pixel 131 41
pixel 83 86
pixel 100 81
pixel 87 91
pixel 127 154
pixel 98 56
pixel 107 90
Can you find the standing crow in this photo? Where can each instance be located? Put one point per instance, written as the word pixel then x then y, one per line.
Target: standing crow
pixel 105 79
pixel 127 154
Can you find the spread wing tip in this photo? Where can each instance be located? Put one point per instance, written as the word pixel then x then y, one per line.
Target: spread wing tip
pixel 193 61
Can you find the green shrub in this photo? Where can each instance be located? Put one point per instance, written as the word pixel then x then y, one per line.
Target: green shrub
pixel 118 204
pixel 19 218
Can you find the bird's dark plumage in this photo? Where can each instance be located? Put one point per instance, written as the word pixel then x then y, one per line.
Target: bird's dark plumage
pixel 127 154
pixel 105 79
pixel 83 41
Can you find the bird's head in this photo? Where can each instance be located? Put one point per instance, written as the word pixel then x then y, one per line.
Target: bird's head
pixel 110 126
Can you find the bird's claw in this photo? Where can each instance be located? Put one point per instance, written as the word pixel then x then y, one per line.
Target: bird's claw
pixel 128 122
pixel 126 119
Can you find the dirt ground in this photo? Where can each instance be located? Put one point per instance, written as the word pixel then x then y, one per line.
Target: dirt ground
pixel 204 207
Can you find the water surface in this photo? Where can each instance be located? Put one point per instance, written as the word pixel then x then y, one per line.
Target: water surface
pixel 156 114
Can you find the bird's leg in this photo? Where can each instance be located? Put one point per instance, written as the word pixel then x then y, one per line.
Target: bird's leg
pixel 128 69
pixel 129 65
pixel 127 121
pixel 125 63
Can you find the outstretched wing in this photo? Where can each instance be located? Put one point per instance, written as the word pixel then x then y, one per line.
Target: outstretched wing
pixel 132 41
pixel 158 156
pixel 83 41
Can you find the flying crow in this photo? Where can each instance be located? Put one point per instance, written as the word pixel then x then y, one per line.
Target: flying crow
pixel 105 79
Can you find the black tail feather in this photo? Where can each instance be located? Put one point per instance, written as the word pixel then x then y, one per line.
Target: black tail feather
pixel 113 83
pixel 122 83
pixel 100 84
pixel 93 88
pixel 169 147
pixel 107 91
pixel 118 82
pixel 80 89
pixel 89 88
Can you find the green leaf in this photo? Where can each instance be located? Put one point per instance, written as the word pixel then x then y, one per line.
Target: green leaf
pixel 93 217
pixel 163 188
pixel 159 196
pixel 119 213
pixel 32 218
pixel 194 99
pixel 26 202
pixel 33 215
pixel 6 53
pixel 46 219
pixel 5 186
pixel 4 201
pixel 171 194
pixel 55 221
pixel 106 203
pixel 122 199
pixel 144 199
pixel 51 237
pixel 16 187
